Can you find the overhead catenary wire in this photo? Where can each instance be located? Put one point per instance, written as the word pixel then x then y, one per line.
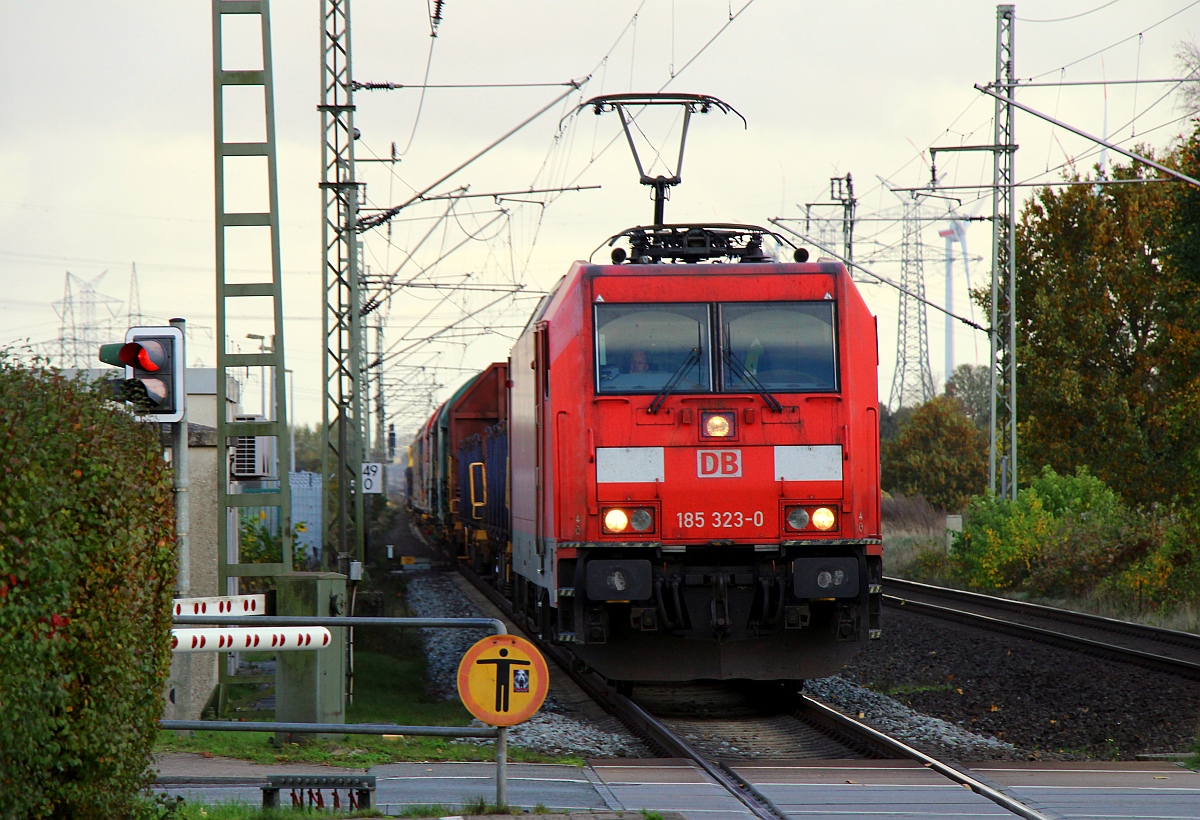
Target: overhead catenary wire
pixel 381 218
pixel 882 279
pixel 1122 41
pixel 519 269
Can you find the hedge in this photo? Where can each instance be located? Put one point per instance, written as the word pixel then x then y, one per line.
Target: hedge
pixel 87 569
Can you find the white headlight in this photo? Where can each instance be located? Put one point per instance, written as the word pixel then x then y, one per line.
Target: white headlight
pixel 823 518
pixel 717 426
pixel 616 521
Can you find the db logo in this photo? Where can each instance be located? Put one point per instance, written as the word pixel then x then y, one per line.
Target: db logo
pixel 719 463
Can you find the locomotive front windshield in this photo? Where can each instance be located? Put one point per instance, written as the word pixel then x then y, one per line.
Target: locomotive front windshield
pixel 784 346
pixel 640 348
pixel 781 346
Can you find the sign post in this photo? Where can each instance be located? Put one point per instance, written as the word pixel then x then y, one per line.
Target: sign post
pixel 371 479
pixel 503 681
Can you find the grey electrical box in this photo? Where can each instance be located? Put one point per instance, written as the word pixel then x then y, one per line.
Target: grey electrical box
pixel 310 685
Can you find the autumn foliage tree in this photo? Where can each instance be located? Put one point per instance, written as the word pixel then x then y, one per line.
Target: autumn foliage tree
pixel 939 454
pixel 1108 331
pixel 972 385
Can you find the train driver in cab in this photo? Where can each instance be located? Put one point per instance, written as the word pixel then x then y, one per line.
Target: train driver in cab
pixel 638 362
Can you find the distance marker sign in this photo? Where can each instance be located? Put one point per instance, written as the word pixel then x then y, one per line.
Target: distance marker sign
pixel 503 680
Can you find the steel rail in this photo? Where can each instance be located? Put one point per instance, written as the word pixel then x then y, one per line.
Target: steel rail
pixel 1128 628
pixel 905 751
pixel 1150 660
pixel 629 713
pixel 659 735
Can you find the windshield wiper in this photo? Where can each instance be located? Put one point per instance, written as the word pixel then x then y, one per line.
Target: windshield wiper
pixel 693 358
pixel 746 376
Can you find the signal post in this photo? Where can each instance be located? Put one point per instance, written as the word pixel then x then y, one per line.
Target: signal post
pixel 154 363
pixel 154 358
pixel 503 681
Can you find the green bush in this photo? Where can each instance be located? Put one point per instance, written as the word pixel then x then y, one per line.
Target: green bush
pixel 1163 575
pixel 1058 537
pixel 87 567
pixel 1002 541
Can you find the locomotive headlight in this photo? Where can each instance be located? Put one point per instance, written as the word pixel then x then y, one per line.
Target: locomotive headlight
pixel 823 518
pixel 717 425
pixel 797 518
pixel 616 520
pixel 641 520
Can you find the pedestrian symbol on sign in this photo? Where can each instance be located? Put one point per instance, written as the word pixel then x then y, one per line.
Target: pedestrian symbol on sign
pixel 504 672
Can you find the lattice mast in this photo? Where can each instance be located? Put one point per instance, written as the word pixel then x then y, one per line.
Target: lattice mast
pixel 273 491
pixel 1002 449
pixel 841 194
pixel 85 320
pixel 380 450
pixel 342 365
pixel 133 306
pixel 912 381
pixel 841 189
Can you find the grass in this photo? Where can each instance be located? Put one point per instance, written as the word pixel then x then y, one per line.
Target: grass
pixel 913 689
pixel 387 689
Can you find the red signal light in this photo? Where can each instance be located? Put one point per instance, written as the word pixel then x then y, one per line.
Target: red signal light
pixel 147 355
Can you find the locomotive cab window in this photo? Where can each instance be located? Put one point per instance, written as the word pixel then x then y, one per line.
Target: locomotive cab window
pixel 640 348
pixel 787 347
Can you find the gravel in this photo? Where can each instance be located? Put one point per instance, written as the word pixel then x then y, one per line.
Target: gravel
pixel 1049 703
pixel 929 734
pixel 553 730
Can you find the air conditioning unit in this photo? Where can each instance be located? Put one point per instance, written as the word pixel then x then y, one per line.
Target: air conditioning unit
pixel 253 456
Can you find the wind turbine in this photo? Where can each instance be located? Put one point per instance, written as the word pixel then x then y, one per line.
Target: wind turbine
pixel 957 232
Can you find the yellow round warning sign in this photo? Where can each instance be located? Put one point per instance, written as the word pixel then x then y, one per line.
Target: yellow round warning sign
pixel 503 680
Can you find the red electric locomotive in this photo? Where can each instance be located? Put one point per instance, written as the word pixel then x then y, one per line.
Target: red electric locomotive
pixel 695 464
pixel 690 466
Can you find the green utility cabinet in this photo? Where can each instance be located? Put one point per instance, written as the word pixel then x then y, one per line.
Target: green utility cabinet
pixel 310 685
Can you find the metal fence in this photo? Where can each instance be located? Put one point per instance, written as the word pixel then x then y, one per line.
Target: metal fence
pixel 308 501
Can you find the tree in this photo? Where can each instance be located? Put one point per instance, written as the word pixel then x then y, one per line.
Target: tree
pixel 939 454
pixel 308 448
pixel 972 385
pixel 1108 337
pixel 891 423
pixel 87 569
pixel 1187 58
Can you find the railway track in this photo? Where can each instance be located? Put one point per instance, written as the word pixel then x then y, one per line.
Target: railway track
pixel 703 723
pixel 1160 649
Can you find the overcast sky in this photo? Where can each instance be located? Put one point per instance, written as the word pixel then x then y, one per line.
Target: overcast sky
pixel 107 150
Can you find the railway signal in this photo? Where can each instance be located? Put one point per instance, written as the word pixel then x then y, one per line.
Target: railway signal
pixel 153 361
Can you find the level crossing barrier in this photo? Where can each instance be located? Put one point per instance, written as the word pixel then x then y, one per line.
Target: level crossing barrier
pixel 272 623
